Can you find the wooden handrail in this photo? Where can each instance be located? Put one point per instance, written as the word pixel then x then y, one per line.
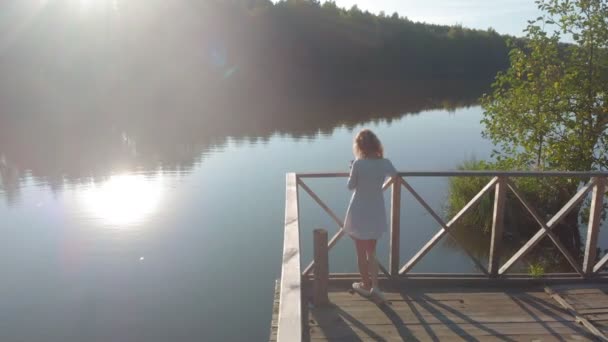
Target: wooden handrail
pixel 290 294
pixel 290 307
pixel 459 173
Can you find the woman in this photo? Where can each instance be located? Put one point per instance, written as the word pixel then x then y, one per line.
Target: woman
pixel 366 216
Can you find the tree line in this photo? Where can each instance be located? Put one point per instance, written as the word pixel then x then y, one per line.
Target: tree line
pixel 154 55
pixel 337 46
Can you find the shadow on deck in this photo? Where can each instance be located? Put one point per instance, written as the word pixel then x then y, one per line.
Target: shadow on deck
pixel 459 313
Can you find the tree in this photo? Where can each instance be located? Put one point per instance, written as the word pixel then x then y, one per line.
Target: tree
pixel 550 108
pixel 521 115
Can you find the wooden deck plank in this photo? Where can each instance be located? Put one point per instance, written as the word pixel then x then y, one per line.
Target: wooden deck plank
pixel 290 305
pixel 275 311
pixel 455 313
pixel 414 295
pixel 590 302
pixel 540 332
pixel 442 331
pixel 462 314
pixel 599 335
pixel 522 337
pixel 415 316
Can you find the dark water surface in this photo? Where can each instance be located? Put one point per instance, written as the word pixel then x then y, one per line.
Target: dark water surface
pixel 165 230
pixel 125 229
pixel 168 226
pixel 143 152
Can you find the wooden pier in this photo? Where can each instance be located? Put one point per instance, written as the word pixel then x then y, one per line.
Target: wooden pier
pixel 436 312
pixel 313 304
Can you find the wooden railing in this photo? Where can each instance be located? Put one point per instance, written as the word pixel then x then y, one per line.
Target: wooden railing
pixel 290 307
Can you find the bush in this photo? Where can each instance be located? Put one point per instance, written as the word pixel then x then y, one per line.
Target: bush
pixel 545 195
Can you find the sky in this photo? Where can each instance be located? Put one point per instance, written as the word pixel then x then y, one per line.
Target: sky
pixel 505 16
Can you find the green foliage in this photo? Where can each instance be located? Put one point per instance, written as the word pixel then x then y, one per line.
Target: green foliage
pixel 536 270
pixel 549 110
pixel 546 195
pixel 463 189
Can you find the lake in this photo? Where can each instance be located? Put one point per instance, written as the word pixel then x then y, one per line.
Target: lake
pixel 144 147
pixel 151 232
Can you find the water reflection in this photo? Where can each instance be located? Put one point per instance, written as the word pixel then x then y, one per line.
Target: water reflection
pixel 151 281
pixel 143 85
pixel 122 200
pixel 80 147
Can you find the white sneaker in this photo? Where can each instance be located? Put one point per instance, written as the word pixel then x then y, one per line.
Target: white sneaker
pixel 358 287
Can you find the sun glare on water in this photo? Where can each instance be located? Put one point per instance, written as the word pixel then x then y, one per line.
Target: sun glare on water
pixel 123 200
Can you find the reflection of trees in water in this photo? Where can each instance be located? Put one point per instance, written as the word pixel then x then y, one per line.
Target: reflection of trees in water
pixel 156 84
pixel 69 147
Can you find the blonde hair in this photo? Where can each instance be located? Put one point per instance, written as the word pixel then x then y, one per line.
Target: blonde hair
pixel 367 145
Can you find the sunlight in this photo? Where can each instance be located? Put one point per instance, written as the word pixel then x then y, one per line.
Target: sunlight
pixel 86 6
pixel 124 199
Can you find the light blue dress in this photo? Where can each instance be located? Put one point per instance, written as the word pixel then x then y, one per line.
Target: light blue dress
pixel 366 215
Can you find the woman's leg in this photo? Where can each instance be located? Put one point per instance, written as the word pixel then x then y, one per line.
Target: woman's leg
pixel 361 246
pixel 372 262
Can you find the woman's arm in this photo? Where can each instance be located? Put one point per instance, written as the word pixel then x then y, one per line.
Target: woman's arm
pixel 352 179
pixel 390 169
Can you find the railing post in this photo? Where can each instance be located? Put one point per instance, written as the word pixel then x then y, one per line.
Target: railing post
pixel 497 226
pixel 593 228
pixel 393 262
pixel 321 268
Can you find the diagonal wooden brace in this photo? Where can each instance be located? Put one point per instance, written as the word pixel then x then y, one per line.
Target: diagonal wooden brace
pixel 544 227
pixel 557 218
pixel 444 230
pixel 442 224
